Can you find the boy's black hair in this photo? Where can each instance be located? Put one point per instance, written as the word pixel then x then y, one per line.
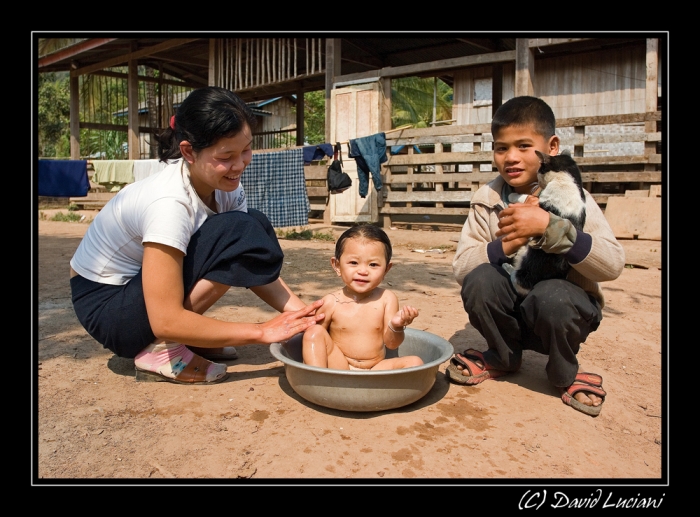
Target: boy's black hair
pixel 523 110
pixel 364 231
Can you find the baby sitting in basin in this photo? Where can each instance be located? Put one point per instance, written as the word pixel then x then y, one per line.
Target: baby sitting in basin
pixel 362 319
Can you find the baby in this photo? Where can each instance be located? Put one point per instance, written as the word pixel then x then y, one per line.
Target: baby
pixel 362 319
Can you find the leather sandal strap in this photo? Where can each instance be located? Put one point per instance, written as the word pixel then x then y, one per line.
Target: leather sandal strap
pixel 589 378
pixel 195 370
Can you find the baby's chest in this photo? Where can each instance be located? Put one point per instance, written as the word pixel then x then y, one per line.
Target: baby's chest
pixel 358 317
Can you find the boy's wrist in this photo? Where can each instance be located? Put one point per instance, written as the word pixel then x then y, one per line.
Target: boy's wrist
pixel 396 330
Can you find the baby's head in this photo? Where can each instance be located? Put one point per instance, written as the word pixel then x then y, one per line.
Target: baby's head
pixel 364 231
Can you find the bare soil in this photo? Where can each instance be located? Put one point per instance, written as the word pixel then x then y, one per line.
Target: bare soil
pixel 93 422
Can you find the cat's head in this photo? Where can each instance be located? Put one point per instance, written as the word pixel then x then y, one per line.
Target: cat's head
pixel 558 162
pixel 563 162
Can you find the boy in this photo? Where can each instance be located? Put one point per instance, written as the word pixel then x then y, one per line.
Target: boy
pixel 556 316
pixel 362 319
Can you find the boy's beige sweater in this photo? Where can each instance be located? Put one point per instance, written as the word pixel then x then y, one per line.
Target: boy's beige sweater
pixel 604 262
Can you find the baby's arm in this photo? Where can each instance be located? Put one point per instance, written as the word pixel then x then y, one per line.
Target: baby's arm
pixel 327 310
pixel 397 320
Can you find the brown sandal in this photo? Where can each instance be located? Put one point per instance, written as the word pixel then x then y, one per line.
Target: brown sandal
pixel 587 383
pixel 224 353
pixel 472 372
pixel 195 372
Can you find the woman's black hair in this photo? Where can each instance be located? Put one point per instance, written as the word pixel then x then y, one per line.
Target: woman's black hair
pixel 205 116
pixel 364 231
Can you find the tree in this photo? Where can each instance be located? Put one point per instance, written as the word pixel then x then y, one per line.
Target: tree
pixel 314 117
pixel 413 100
pixel 53 119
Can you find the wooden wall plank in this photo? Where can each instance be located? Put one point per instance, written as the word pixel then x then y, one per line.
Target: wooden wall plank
pixel 634 217
pixel 429 196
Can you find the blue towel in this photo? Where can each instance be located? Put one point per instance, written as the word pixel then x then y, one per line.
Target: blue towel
pixel 317 152
pixel 369 153
pixel 63 178
pixel 274 184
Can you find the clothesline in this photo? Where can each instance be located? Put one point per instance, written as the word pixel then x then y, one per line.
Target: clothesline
pixel 346 142
pixel 407 126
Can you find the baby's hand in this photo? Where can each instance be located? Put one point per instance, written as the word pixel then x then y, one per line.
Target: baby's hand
pixel 404 317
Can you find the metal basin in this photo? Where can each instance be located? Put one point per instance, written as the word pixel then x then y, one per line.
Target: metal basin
pixel 351 390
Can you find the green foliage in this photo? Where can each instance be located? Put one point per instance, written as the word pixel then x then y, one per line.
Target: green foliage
pixel 284 140
pixel 315 117
pixel 54 115
pixel 70 217
pixel 412 100
pixel 106 145
pixel 412 103
pixel 324 236
pixel 305 235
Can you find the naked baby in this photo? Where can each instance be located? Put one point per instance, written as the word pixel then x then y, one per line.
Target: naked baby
pixel 361 320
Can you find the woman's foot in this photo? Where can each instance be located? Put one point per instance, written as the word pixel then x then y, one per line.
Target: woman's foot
pixel 176 363
pixel 224 353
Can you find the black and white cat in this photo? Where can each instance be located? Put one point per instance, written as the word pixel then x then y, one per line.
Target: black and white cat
pixel 562 194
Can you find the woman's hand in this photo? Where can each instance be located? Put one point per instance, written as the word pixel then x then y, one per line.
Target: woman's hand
pixel 288 324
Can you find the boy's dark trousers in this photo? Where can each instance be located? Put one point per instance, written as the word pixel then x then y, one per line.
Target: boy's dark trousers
pixel 553 319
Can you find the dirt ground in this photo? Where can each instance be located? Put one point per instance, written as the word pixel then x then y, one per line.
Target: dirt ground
pixel 94 423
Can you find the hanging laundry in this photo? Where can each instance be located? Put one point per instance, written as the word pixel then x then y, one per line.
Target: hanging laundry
pixel 317 152
pixel 113 174
pixel 396 149
pixel 144 168
pixel 63 178
pixel 369 153
pixel 274 183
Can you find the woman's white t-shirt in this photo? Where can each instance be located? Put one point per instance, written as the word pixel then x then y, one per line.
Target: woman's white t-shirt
pixel 162 208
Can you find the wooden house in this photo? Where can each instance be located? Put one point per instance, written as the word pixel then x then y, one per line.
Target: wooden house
pixel 607 94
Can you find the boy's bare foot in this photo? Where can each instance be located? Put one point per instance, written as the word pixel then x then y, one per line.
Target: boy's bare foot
pixel 470 368
pixel 588 398
pixel 586 393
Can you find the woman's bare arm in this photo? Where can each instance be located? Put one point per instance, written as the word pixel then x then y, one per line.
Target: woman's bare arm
pixel 164 294
pixel 279 296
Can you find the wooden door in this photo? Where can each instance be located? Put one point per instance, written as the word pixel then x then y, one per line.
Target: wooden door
pixel 354 114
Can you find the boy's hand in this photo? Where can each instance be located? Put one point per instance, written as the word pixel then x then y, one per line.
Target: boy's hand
pixel 404 317
pixel 522 221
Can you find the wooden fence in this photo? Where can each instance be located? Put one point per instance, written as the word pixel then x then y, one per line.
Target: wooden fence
pixel 433 179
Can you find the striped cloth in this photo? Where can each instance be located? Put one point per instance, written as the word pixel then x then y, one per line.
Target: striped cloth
pixel 274 184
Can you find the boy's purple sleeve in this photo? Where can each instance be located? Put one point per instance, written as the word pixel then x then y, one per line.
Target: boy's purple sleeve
pixel 580 249
pixel 494 250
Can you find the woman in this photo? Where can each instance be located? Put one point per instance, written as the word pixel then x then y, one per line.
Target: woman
pixel 166 248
